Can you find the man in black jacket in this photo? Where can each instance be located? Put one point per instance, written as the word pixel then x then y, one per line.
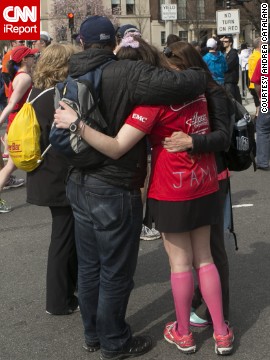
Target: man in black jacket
pixel 106 199
pixel 231 77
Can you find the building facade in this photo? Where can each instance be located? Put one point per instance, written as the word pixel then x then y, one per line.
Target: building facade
pixel 196 19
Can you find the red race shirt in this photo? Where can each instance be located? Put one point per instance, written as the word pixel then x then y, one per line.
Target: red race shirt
pixel 177 176
pixel 256 77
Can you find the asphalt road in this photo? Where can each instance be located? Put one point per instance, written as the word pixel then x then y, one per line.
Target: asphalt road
pixel 28 333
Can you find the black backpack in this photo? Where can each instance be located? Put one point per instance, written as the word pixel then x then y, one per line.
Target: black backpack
pixel 242 150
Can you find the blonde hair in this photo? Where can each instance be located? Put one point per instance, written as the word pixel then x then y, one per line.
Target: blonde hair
pixel 52 65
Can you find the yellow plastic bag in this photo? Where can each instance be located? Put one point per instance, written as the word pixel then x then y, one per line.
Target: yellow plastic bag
pixel 23 139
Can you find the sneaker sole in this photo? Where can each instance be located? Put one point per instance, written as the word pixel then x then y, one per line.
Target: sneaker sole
pixel 150 238
pixel 190 350
pixel 224 351
pixel 124 356
pixel 5 211
pixel 12 186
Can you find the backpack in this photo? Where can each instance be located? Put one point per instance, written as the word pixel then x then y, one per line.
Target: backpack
pixel 82 94
pixel 24 137
pixel 242 150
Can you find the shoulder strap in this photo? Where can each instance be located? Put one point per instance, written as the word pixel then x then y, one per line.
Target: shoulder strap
pixel 33 100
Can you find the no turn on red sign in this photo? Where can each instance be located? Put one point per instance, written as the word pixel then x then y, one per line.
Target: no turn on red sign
pixel 228 21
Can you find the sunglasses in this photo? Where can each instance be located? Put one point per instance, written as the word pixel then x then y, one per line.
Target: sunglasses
pixel 225 41
pixel 30 56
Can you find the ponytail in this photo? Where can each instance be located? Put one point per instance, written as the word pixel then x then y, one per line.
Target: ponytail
pixel 12 67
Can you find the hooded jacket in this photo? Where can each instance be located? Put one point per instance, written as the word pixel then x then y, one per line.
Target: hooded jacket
pixel 243 58
pixel 217 65
pixel 124 84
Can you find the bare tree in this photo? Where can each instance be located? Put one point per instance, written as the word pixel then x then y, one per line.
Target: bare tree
pixel 80 8
pixel 141 15
pixel 198 14
pixel 252 10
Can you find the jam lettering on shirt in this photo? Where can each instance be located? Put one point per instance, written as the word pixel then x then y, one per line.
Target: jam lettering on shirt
pixel 196 177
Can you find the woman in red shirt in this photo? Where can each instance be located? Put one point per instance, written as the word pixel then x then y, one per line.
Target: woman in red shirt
pixel 182 193
pixel 20 66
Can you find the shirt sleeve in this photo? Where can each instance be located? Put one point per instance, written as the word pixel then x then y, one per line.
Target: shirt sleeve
pixel 144 118
pixel 256 77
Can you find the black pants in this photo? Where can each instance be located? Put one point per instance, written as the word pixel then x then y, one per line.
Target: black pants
pixel 62 265
pixel 220 259
pixel 234 90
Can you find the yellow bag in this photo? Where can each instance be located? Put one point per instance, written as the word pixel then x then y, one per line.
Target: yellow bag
pixel 24 138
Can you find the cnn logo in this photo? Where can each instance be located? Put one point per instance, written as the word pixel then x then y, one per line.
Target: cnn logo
pixel 15 14
pixel 20 21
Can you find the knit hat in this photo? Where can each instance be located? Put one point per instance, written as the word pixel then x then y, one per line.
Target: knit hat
pixel 124 29
pixel 211 43
pixel 97 29
pixel 19 52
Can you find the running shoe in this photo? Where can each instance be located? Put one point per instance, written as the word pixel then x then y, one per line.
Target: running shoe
pixel 13 182
pixel 5 157
pixel 196 321
pixel 224 343
pixel 4 207
pixel 149 234
pixel 184 343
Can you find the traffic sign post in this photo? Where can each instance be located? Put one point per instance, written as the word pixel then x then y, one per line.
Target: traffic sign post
pixel 228 22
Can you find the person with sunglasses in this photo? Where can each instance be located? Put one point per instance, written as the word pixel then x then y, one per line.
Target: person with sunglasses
pixel 44 41
pixel 19 67
pixel 231 76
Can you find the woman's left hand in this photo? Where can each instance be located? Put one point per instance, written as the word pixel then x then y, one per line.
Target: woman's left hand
pixel 178 142
pixel 64 116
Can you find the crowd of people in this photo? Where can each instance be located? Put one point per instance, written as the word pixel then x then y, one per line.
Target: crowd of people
pixel 171 107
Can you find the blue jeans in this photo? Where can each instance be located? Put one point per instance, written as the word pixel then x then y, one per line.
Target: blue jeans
pixel 108 222
pixel 263 139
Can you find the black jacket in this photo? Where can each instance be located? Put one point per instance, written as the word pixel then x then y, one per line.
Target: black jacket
pixel 221 115
pixel 232 74
pixel 46 184
pixel 125 84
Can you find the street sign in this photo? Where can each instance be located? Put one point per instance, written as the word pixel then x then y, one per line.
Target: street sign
pixel 169 12
pixel 228 22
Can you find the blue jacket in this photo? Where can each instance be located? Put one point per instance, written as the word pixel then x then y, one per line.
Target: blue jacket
pixel 217 65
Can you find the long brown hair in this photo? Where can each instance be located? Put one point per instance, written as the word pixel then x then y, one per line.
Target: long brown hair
pixel 184 56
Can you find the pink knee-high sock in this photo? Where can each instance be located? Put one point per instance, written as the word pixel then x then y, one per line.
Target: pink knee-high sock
pixel 182 288
pixel 209 283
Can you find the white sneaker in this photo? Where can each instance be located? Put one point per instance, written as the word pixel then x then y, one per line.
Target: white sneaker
pixel 13 182
pixel 149 234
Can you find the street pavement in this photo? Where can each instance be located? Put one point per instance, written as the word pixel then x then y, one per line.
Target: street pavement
pixel 28 333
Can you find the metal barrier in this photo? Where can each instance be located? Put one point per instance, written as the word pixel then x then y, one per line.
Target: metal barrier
pixel 244 81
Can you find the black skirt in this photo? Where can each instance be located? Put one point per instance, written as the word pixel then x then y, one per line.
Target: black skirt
pixel 182 216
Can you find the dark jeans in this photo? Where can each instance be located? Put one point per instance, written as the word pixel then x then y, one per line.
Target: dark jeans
pixel 62 268
pixel 108 222
pixel 220 259
pixel 263 139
